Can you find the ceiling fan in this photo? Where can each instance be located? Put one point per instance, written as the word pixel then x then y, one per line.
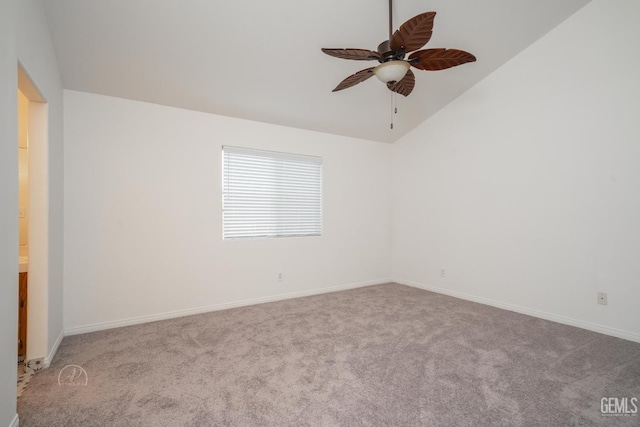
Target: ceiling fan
pixel 394 69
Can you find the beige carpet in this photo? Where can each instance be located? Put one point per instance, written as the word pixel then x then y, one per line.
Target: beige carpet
pixel 386 355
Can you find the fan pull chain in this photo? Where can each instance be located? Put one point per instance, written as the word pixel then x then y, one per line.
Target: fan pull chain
pixel 394 109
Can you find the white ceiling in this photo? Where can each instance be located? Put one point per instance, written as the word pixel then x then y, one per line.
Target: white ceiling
pixel 261 60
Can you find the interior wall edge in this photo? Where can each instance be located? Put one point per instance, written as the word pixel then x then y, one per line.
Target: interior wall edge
pixel 54 349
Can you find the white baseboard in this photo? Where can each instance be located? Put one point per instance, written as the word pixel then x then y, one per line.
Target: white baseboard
pixel 216 307
pixel 54 350
pixel 618 333
pixel 15 422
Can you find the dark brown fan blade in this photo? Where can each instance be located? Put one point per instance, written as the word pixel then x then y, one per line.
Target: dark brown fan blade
pixel 404 86
pixel 439 59
pixel 414 33
pixel 354 79
pixel 356 54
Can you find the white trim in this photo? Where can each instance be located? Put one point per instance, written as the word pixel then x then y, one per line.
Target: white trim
pixel 49 358
pixel 216 307
pixel 15 422
pixel 618 333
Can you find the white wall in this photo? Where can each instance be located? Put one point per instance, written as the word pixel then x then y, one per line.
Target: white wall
pixel 526 188
pixel 38 343
pixel 143 214
pixel 24 37
pixel 8 219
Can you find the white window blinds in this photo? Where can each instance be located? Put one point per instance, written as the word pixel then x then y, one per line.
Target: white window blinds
pixel 270 194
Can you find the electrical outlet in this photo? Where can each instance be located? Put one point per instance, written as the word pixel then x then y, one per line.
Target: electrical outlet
pixel 280 277
pixel 602 298
pixel 442 274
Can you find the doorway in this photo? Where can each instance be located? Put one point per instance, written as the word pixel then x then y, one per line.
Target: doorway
pixel 33 223
pixel 23 221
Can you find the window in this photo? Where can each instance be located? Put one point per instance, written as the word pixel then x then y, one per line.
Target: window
pixel 270 194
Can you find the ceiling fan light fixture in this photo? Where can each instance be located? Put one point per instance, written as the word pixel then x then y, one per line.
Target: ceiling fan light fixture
pixel 391 71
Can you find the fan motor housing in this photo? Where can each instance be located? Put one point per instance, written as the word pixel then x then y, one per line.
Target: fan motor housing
pixel 386 54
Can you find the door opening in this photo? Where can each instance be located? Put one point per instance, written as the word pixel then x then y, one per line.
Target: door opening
pixel 34 222
pixel 23 221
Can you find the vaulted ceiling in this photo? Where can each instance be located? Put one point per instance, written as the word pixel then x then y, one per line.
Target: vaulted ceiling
pixel 261 60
